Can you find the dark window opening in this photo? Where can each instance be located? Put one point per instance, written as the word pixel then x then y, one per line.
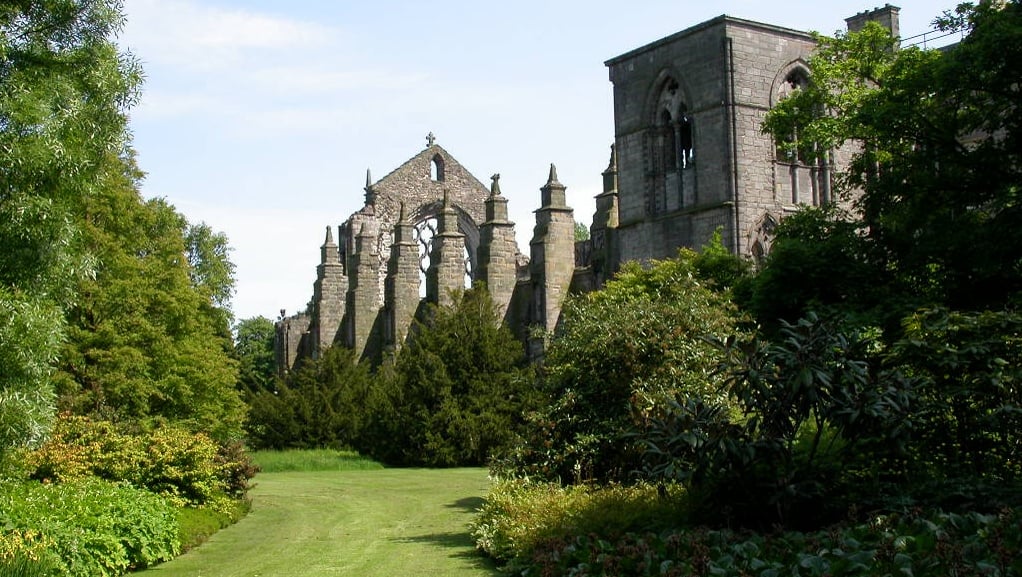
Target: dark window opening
pixel 436 169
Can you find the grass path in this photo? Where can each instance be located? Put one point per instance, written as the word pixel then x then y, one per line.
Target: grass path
pixel 360 523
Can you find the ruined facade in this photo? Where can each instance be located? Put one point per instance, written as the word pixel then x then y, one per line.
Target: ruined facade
pixel 689 158
pixel 428 229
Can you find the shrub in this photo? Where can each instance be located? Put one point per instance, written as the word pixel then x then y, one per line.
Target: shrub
pixel 619 355
pixel 813 412
pixel 91 527
pixel 519 514
pixel 933 545
pixel 195 526
pixel 189 468
pixel 321 404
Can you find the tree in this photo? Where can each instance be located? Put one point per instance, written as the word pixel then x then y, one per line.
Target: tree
pixel 143 343
pixel 211 270
pixel 64 89
pixel 459 392
pixel 936 162
pixel 322 404
pixel 581 231
pixel 253 345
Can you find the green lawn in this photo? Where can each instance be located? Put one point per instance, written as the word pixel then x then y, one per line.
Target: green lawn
pixel 360 523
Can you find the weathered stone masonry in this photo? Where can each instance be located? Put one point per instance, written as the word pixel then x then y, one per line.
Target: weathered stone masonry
pixel 689 158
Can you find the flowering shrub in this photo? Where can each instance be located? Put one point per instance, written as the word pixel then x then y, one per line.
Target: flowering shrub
pixel 188 468
pixel 519 514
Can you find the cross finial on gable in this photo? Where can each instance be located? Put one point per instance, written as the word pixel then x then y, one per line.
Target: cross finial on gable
pixel 430 139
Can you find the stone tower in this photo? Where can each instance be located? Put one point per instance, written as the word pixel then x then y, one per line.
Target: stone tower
pixel 328 296
pixel 691 157
pixel 402 284
pixel 446 272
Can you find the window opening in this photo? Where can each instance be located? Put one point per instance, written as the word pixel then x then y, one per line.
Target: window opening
pixel 436 169
pixel 424 233
pixel 789 148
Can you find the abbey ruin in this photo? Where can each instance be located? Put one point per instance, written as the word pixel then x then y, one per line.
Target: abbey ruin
pixel 688 158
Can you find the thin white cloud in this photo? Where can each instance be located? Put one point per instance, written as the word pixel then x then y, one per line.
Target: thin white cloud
pixel 317 79
pixel 189 34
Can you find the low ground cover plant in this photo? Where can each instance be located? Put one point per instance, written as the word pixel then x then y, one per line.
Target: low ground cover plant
pixel 912 544
pixel 84 528
pixel 99 498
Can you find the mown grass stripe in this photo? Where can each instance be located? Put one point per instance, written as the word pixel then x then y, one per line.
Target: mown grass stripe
pixel 369 523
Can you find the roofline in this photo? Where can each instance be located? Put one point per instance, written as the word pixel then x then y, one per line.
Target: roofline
pixel 722 19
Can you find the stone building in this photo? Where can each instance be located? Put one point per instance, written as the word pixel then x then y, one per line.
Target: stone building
pixel 427 229
pixel 689 158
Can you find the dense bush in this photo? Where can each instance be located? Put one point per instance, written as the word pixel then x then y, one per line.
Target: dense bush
pixel 619 355
pixel 90 528
pixel 519 514
pixel 189 469
pixel 830 419
pixel 933 545
pixel 457 393
pixel 967 417
pixel 196 525
pixel 322 404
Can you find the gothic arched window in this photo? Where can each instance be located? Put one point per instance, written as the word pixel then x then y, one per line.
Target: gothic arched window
pixel 424 232
pixel 790 148
pixel 668 141
pixel 436 169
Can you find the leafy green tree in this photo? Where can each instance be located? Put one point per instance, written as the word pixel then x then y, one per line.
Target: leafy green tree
pixel 581 231
pixel 142 343
pixel 822 261
pixel 620 355
pixel 968 406
pixel 64 88
pixel 936 166
pixel 459 392
pixel 253 345
pixel 211 270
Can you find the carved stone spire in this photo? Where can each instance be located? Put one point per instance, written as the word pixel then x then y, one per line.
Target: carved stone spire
pixel 448 215
pixel 495 186
pixel 552 179
pixel 610 175
pixel 553 191
pixel 370 192
pixel 403 229
pixel 328 252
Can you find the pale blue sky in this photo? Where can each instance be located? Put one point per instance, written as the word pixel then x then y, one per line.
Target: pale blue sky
pixel 261 117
